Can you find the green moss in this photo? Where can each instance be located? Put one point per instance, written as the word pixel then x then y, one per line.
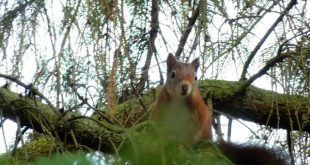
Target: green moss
pixel 39 147
pixel 134 103
pixel 218 89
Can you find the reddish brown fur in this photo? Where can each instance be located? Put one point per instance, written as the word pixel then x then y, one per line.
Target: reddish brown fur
pixel 202 113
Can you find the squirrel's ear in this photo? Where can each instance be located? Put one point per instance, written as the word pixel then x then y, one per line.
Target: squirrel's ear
pixel 171 61
pixel 195 64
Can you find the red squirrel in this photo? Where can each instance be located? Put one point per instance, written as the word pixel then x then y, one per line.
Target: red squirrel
pixel 181 92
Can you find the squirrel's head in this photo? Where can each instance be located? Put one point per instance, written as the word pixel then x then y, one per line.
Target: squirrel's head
pixel 181 76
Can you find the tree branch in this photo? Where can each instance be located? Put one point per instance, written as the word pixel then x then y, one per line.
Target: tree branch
pixel 31 89
pixel 272 62
pixel 90 132
pixel 151 46
pixel 273 26
pixel 188 30
pixel 258 105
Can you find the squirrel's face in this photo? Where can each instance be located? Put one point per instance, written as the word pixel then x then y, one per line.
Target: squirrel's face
pixel 181 77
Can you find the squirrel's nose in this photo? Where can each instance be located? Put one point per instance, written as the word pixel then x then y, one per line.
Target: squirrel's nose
pixel 184 89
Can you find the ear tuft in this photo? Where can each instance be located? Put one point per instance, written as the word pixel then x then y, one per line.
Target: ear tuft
pixel 195 64
pixel 171 61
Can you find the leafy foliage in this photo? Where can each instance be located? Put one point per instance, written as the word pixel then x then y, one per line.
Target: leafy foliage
pixel 154 149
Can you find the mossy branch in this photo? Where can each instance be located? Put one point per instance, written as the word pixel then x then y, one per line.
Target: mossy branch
pixel 257 105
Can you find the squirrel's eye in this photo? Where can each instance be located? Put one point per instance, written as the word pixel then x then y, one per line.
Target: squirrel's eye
pixel 172 75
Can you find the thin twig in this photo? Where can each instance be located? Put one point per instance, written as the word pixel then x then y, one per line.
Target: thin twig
pixel 231 117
